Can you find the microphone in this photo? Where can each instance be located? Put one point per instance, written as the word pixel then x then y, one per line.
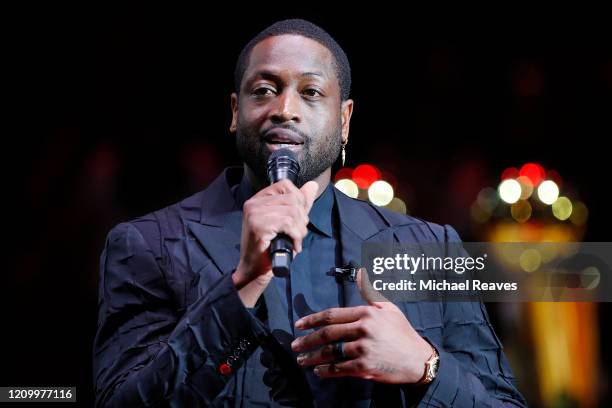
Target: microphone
pixel 347 273
pixel 282 164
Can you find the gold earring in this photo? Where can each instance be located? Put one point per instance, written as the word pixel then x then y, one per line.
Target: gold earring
pixel 344 142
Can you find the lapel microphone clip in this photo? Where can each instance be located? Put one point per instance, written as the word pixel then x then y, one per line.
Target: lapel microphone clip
pixel 347 273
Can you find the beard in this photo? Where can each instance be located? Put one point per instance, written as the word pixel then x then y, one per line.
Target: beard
pixel 318 153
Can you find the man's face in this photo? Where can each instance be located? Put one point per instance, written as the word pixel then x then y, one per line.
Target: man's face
pixel 290 98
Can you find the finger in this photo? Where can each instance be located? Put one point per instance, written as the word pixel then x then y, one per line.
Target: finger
pixel 328 334
pixel 325 354
pixel 270 225
pixel 284 186
pixel 309 190
pixel 321 356
pixel 297 213
pixel 333 315
pixel 350 368
pixel 368 293
pixel 291 199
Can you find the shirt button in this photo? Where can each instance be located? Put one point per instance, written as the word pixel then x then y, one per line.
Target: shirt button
pixel 225 369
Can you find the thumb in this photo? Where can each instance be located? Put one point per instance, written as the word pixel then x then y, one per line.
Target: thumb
pixel 368 293
pixel 310 190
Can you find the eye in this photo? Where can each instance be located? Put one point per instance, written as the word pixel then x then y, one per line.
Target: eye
pixel 262 91
pixel 312 92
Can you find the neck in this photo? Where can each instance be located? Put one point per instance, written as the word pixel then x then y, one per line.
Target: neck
pixel 257 183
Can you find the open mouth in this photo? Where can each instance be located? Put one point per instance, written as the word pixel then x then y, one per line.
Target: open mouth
pixel 277 145
pixel 283 143
pixel 278 138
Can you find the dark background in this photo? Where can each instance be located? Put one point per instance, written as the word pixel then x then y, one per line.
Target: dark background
pixel 115 112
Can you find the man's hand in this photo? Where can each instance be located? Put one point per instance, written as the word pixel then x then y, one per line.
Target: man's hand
pixel 279 208
pixel 379 343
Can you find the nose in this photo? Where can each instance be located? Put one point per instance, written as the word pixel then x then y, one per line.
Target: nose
pixel 286 108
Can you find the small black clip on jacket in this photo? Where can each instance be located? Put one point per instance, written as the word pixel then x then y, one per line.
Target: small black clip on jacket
pixel 347 273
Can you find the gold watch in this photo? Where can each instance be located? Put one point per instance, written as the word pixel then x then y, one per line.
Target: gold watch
pixel 431 367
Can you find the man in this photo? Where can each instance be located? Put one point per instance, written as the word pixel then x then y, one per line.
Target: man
pixel 190 313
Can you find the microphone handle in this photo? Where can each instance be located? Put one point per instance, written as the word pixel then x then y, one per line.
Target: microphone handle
pixel 282 165
pixel 281 249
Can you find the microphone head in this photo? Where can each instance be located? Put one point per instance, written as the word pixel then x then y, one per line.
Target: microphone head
pixel 282 153
pixel 282 164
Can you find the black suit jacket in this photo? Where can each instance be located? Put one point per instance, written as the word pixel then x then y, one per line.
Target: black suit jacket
pixel 172 330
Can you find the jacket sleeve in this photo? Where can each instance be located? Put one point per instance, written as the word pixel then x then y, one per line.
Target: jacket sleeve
pixel 145 353
pixel 473 371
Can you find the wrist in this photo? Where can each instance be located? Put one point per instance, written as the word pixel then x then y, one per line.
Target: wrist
pixel 240 277
pixel 238 280
pixel 431 366
pixel 250 291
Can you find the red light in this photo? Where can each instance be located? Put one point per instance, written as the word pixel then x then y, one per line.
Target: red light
pixel 533 172
pixel 344 173
pixel 510 173
pixel 365 174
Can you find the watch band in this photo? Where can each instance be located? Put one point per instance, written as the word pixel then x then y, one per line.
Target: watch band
pixel 431 367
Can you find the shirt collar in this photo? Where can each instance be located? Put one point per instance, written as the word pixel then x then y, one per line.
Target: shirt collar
pixel 243 191
pixel 320 215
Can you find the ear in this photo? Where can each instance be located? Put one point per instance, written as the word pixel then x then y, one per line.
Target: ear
pixel 346 113
pixel 234 105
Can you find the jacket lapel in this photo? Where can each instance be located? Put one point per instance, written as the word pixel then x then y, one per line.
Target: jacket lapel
pixel 222 246
pixel 359 224
pixel 217 232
